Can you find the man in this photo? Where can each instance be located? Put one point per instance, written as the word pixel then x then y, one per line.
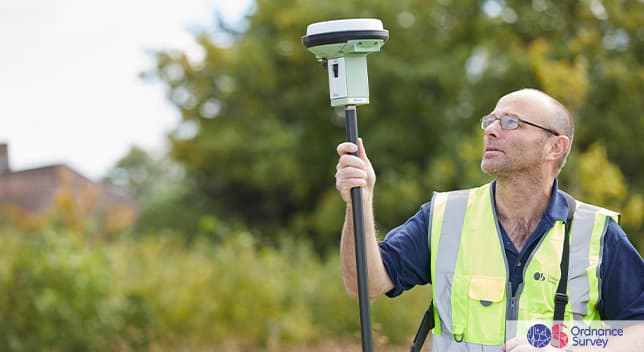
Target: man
pixel 493 253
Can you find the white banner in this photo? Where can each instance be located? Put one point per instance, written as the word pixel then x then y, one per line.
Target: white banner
pixel 613 335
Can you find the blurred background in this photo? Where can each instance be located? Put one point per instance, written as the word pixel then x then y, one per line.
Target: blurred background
pixel 167 168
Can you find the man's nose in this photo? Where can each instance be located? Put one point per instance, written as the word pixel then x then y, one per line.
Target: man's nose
pixel 493 128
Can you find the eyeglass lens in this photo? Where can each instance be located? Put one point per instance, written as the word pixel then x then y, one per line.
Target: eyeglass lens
pixel 508 122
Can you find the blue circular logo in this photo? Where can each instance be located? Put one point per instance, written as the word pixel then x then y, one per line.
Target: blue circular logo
pixel 537 276
pixel 539 335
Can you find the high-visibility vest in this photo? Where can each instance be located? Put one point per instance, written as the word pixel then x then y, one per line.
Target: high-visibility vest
pixel 470 275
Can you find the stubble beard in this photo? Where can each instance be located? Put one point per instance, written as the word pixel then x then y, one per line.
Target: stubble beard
pixel 494 168
pixel 506 169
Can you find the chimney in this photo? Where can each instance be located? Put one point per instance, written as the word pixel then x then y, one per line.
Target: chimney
pixel 4 158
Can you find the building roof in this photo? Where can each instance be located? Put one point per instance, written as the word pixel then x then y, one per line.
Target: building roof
pixel 36 189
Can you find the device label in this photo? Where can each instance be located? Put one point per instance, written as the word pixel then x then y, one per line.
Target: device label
pixel 337 78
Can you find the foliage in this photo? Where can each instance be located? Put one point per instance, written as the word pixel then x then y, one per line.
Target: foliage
pixel 167 199
pixel 261 141
pixel 142 175
pixel 237 295
pixel 598 181
pixel 55 294
pixel 59 292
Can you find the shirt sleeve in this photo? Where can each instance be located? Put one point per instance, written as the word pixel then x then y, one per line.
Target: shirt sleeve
pixel 405 253
pixel 622 277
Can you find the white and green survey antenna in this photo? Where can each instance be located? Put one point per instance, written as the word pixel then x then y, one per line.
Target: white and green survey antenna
pixel 343 46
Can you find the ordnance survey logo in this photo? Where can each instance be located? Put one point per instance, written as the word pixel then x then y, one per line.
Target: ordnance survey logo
pixel 540 336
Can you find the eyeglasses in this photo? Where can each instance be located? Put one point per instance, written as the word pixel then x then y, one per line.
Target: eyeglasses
pixel 510 122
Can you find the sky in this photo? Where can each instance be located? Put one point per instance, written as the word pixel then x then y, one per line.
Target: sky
pixel 70 86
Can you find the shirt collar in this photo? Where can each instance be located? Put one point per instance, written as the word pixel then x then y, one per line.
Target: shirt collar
pixel 557 207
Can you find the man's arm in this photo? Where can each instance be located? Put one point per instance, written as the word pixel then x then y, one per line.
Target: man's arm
pixel 622 277
pixel 379 281
pixel 356 171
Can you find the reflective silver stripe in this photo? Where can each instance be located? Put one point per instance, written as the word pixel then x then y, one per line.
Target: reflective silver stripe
pixel 446 254
pixel 580 234
pixel 445 343
pixel 429 235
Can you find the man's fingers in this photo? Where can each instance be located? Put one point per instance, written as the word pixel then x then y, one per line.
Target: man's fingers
pixel 512 343
pixel 361 151
pixel 517 344
pixel 350 161
pixel 350 172
pixel 346 184
pixel 346 148
pixel 349 177
pixel 353 170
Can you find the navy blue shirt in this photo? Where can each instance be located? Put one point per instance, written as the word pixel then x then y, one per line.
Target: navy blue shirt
pixel 405 254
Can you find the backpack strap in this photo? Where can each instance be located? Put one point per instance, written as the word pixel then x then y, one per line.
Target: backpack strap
pixel 425 325
pixel 561 297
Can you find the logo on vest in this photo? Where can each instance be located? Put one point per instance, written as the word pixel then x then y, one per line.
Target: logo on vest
pixel 539 276
pixel 539 336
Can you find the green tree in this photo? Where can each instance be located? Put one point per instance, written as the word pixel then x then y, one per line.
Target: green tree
pixel 142 174
pixel 261 147
pixel 166 197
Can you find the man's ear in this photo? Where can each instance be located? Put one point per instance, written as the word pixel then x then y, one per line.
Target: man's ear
pixel 558 147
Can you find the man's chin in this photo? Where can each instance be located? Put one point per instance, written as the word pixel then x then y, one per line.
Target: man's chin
pixel 493 170
pixel 488 169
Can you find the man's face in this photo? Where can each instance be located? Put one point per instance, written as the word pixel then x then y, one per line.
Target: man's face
pixel 519 151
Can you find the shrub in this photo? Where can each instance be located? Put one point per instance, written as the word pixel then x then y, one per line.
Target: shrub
pixel 60 293
pixel 55 294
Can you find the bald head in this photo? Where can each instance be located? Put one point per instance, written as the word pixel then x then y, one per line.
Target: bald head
pixel 557 117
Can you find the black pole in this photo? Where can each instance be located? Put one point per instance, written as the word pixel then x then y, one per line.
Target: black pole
pixel 358 232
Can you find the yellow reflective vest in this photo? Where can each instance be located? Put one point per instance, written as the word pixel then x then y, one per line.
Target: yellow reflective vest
pixel 470 275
